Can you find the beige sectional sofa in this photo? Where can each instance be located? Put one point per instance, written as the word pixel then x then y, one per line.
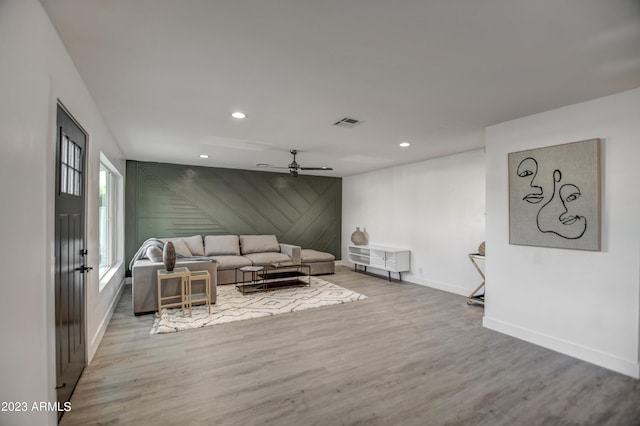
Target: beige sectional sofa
pixel 220 255
pixel 233 251
pixel 320 262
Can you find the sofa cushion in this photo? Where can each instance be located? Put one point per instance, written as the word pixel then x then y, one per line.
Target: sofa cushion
pixel 221 245
pixel 181 247
pixel 258 243
pixel 154 254
pixel 194 244
pixel 268 258
pixel 231 262
pixel 310 256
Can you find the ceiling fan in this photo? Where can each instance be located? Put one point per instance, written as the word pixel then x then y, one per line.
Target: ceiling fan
pixel 293 166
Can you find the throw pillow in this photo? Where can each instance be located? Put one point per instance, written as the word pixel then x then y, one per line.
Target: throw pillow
pixel 154 253
pixel 181 248
pixel 195 245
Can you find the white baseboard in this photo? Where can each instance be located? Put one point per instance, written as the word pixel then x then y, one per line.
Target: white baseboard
pixel 602 359
pixel 97 338
pixel 450 288
pixel 411 278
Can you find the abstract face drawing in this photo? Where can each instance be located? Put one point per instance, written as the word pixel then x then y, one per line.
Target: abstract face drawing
pixel 528 168
pixel 558 215
pixel 554 196
pixel 568 194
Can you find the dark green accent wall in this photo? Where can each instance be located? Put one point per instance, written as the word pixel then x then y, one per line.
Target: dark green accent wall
pixel 171 200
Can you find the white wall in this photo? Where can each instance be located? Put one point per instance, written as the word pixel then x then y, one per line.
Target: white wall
pixel 584 304
pixel 35 71
pixel 435 208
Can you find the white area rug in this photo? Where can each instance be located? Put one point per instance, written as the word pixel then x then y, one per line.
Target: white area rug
pixel 233 306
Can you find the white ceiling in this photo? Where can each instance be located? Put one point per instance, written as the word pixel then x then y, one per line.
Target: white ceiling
pixel 166 74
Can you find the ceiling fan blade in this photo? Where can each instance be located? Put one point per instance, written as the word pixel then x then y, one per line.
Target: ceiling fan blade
pixel 269 166
pixel 316 168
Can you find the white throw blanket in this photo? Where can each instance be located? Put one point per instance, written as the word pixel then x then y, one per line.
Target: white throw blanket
pixel 154 242
pixel 142 251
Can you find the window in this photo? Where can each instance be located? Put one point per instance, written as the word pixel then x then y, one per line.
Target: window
pixel 70 167
pixel 109 189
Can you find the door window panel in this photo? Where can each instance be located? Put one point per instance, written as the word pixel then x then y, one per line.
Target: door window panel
pixel 70 167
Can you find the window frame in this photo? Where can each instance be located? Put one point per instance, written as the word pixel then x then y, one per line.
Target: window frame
pixel 113 195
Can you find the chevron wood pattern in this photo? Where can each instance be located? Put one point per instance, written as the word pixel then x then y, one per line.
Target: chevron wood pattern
pixel 171 200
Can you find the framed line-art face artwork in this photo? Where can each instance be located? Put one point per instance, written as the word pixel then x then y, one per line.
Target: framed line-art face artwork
pixel 554 196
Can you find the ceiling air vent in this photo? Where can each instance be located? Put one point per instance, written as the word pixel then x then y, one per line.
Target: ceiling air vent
pixel 347 122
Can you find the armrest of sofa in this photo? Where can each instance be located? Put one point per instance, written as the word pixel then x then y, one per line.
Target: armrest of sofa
pixel 294 252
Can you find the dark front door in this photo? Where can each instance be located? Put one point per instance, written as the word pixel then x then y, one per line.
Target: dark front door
pixel 70 254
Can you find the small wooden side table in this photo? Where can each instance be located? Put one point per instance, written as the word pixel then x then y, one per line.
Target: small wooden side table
pixel 183 274
pixel 204 297
pixel 474 297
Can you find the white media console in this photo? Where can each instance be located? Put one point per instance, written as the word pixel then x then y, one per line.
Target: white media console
pixel 386 258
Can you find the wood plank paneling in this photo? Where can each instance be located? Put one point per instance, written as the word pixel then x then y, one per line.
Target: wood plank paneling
pixel 170 200
pixel 408 355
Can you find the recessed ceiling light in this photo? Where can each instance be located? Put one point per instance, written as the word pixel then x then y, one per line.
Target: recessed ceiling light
pixel 405 144
pixel 238 114
pixel 204 156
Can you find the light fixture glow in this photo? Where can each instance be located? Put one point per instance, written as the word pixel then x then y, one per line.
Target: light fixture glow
pixel 204 156
pixel 405 144
pixel 238 114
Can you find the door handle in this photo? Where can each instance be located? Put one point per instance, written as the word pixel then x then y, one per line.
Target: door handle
pixel 84 268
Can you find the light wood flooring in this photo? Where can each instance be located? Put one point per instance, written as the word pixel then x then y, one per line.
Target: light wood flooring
pixel 408 355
